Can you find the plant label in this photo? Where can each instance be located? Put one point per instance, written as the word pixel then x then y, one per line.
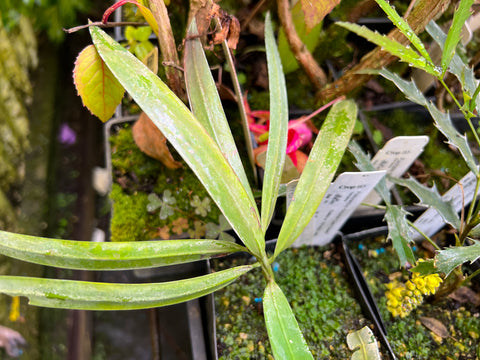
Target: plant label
pixel 396 157
pixel 459 195
pixel 339 202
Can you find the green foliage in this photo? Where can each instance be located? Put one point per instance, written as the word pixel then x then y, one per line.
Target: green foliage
pixel 451 258
pixel 164 204
pixel 127 157
pixel 403 26
pixel 214 160
pixel 214 231
pixel 431 198
pixel 88 255
pixel 138 40
pixel 202 207
pixel 404 53
pixel 398 233
pixel 49 15
pixel 130 163
pixel 448 259
pixel 278 128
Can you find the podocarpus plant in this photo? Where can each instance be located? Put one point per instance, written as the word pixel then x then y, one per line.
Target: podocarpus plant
pixel 449 260
pixel 202 137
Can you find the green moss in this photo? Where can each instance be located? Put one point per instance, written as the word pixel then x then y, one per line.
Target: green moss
pixel 301 273
pixel 127 157
pixel 135 177
pixel 129 215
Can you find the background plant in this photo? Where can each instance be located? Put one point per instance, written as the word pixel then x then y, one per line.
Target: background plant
pixel 202 137
pixel 447 260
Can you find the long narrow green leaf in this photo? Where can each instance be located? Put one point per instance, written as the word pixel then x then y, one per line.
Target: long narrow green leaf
pixel 206 104
pixel 277 138
pixel 403 26
pixel 188 136
pixel 82 295
pixel 317 175
pixel 282 327
pixel 431 198
pixel 454 34
pixel 87 255
pixel 447 260
pixel 404 53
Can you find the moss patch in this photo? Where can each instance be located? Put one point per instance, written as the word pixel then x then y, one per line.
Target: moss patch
pixel 141 182
pixel 301 273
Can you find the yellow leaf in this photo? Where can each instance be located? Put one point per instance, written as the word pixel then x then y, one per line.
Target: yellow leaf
pixel 100 91
pixel 315 11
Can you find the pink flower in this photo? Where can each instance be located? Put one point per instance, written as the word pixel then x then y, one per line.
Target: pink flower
pixel 299 132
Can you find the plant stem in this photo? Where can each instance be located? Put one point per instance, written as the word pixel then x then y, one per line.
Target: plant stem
pixel 168 47
pixel 470 277
pixel 468 115
pixel 472 205
pixel 243 112
pixel 314 72
pixel 424 235
pixel 105 25
pixel 267 269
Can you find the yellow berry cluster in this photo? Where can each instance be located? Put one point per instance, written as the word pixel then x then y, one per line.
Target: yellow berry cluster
pixel 402 298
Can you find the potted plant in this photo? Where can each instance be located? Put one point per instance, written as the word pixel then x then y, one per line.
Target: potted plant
pixel 202 140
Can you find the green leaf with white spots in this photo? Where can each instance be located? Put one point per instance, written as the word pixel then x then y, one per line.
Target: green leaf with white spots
pixel 278 129
pixel 283 332
pixel 403 26
pixel 83 295
pixel 188 136
pixel 88 255
pixel 323 161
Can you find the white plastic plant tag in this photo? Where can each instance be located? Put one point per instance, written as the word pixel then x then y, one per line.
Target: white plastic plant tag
pixel 396 157
pixel 339 202
pixel 431 222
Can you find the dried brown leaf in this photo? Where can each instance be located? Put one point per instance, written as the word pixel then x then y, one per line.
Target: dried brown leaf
pixel 435 326
pixel 465 295
pixel 152 142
